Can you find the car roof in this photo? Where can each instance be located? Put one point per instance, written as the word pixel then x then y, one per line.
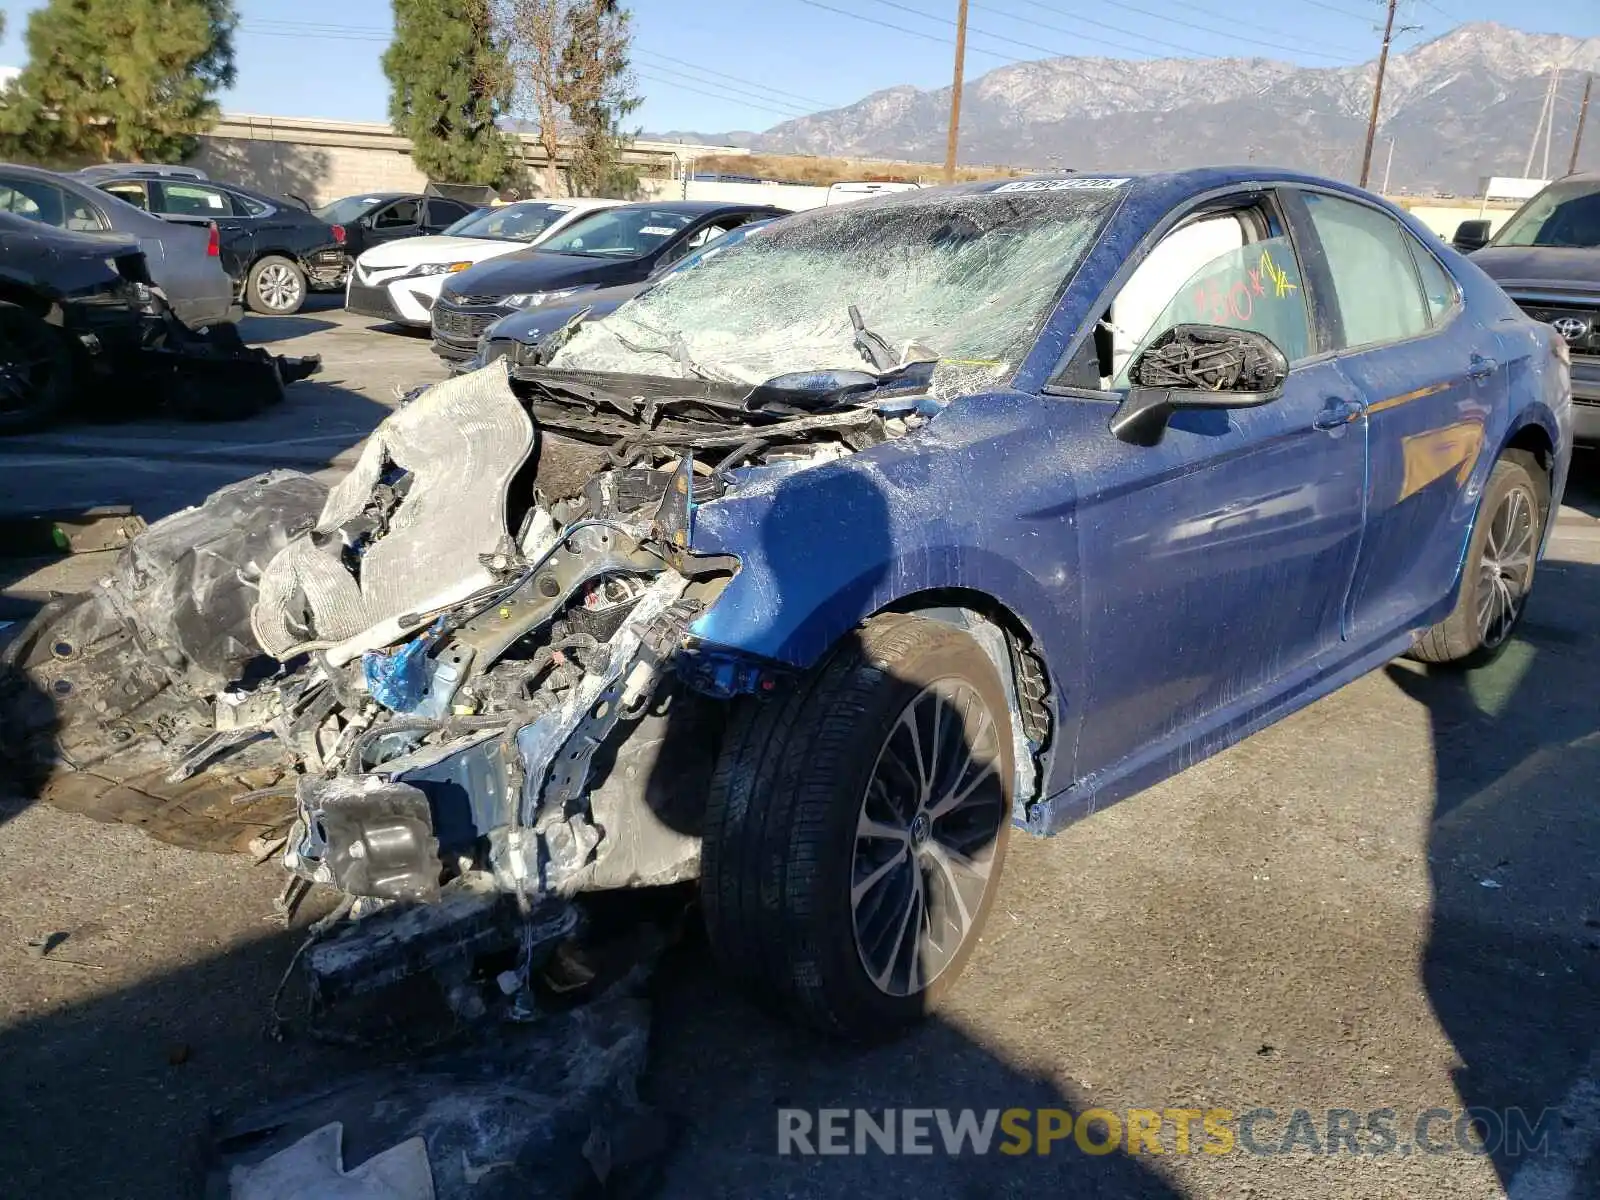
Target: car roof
pixel 700 208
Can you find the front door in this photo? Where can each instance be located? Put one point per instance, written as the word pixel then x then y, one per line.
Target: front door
pixel 1216 563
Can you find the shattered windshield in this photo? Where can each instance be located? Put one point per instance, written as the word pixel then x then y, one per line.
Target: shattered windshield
pixel 964 277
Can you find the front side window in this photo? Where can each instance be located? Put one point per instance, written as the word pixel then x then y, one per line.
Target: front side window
pixel 1374 278
pixel 1564 214
pixel 402 214
pixel 1227 270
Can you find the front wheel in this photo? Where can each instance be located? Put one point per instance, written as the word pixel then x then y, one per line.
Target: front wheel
pixel 276 286
pixel 857 826
pixel 1497 573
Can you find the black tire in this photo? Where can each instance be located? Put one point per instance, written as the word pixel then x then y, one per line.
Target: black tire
pixel 36 370
pixel 1487 613
pixel 783 827
pixel 261 286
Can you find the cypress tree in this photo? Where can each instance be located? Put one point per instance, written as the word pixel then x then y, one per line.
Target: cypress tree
pixel 449 84
pixel 132 80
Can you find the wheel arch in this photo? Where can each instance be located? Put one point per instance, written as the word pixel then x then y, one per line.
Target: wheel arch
pixel 27 298
pixel 1012 646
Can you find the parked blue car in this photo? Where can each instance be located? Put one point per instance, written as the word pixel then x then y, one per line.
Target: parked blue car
pixel 517 336
pixel 811 571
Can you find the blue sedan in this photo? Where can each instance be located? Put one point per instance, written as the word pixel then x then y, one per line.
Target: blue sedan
pixel 812 571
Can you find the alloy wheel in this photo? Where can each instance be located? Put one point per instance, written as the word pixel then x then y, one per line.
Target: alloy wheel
pixel 278 287
pixel 925 837
pixel 1505 568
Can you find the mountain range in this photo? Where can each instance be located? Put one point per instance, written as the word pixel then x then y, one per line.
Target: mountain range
pixel 1459 107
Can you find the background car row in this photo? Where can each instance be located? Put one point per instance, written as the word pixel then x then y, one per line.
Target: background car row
pixel 241 246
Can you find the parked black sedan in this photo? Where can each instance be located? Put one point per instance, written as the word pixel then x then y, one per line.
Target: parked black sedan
pixel 274 250
pixel 612 246
pixel 371 218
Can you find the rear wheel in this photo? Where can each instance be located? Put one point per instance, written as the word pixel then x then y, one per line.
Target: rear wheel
pixel 857 827
pixel 276 286
pixel 1497 573
pixel 35 370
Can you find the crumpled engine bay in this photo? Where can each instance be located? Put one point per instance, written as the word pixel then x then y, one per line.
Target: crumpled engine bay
pixel 467 669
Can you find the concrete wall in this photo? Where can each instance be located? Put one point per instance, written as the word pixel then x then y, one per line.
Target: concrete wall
pixel 784 195
pixel 1442 216
pixel 321 160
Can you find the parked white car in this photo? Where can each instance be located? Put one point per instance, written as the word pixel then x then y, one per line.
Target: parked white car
pixel 399 281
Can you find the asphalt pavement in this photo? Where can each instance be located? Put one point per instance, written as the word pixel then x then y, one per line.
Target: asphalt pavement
pixel 1389 901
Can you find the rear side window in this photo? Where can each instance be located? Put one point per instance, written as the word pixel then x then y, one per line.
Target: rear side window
pixel 193 200
pixel 1437 287
pixel 1374 276
pixel 247 206
pixel 49 205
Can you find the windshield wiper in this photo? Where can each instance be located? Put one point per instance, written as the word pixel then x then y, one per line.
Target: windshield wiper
pixel 873 348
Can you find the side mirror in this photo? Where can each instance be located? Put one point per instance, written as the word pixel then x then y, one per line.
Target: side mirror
pixel 1470 236
pixel 1198 366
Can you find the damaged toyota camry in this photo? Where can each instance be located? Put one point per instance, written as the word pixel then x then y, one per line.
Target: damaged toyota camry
pixel 811 572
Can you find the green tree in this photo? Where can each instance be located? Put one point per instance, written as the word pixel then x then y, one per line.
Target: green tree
pixel 597 90
pixel 119 79
pixel 450 83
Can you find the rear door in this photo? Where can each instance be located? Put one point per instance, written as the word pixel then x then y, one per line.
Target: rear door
pixel 1428 371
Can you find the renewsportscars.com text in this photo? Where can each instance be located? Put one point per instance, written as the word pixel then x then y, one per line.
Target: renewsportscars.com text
pixel 1214 1131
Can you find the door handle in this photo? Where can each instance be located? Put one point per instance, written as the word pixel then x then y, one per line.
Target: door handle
pixel 1338 413
pixel 1481 367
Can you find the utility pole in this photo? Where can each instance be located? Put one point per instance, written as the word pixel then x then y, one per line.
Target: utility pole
pixel 1388 162
pixel 955 94
pixel 1550 129
pixel 1583 115
pixel 1377 92
pixel 1546 110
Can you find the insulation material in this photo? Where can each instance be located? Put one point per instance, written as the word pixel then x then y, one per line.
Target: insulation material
pixel 462 441
pixel 971 275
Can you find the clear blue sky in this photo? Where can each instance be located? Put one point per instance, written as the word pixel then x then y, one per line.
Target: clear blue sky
pixel 717 66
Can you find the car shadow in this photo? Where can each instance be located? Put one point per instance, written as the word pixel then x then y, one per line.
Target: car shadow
pixel 261 330
pixel 1512 964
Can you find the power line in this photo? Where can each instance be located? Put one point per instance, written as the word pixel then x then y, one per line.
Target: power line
pixel 729 91
pixel 736 79
pixel 786 115
pixel 1000 37
pixel 1343 12
pixel 928 37
pixel 1212 29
